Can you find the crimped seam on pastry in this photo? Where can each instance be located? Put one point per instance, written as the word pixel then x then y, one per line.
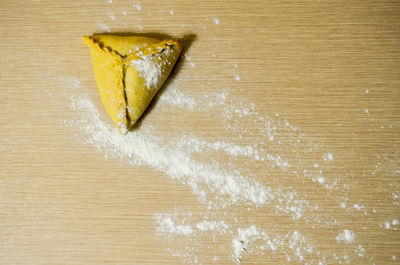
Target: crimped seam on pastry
pixel 152 50
pixel 122 119
pixel 89 41
pixel 129 124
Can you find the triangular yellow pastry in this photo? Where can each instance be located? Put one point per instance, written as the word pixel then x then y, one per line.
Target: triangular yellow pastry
pixel 129 71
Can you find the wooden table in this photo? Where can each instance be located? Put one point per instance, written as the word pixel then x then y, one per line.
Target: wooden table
pixel 329 68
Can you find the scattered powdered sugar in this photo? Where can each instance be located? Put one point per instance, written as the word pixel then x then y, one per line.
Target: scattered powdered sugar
pixel 348 236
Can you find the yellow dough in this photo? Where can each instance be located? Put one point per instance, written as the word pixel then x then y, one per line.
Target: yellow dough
pixel 129 70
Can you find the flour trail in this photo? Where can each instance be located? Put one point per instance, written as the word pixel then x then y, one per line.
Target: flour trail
pixel 221 191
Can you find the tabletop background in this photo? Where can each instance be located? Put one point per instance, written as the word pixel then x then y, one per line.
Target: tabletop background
pixel 329 68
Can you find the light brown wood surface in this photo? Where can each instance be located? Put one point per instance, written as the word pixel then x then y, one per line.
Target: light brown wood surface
pixel 331 68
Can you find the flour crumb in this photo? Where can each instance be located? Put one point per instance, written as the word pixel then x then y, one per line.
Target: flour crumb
pixel 167 225
pixel 112 16
pixel 240 243
pixel 348 236
pixel 124 13
pixel 189 59
pixel 360 251
pixel 237 77
pixel 300 247
pixel 171 12
pixel 175 97
pixel 321 180
pixel 104 27
pixel 358 207
pixel 216 20
pixel 138 7
pixel 328 157
pixel 218 226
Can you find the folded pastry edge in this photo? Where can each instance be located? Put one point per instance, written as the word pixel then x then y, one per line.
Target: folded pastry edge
pixel 121 118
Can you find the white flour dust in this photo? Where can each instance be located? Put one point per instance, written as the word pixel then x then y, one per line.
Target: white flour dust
pixel 150 66
pixel 178 225
pixel 148 70
pixel 216 187
pixel 176 98
pixel 104 27
pixel 194 144
pixel 141 148
pixel 223 191
pixel 348 236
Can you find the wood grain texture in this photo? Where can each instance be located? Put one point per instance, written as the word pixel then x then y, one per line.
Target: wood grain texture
pixel 62 202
